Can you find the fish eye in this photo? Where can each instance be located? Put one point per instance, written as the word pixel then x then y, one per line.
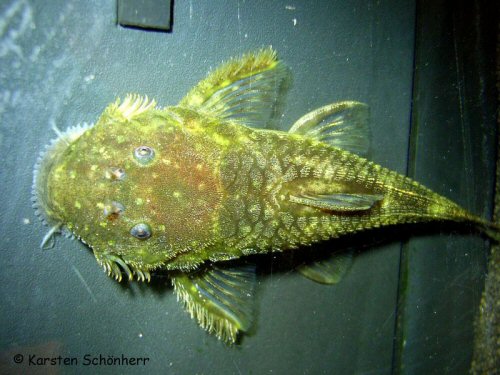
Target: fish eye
pixel 141 231
pixel 144 154
pixel 115 173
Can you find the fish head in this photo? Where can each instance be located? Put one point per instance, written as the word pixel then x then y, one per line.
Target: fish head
pixel 131 186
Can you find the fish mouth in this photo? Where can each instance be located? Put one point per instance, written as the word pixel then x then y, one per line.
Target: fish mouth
pixel 47 159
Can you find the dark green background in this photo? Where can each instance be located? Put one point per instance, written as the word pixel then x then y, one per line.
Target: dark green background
pixel 408 305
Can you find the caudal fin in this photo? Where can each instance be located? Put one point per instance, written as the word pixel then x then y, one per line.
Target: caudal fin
pixel 492 230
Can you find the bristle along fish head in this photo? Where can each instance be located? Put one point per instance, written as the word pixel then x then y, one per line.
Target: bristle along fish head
pixel 40 193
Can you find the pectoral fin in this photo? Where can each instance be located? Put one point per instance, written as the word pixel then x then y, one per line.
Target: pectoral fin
pixel 328 271
pixel 219 298
pixel 249 90
pixel 343 125
pixel 338 202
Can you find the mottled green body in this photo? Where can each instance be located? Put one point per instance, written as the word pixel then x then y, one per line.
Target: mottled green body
pixel 264 171
pixel 183 187
pixel 219 190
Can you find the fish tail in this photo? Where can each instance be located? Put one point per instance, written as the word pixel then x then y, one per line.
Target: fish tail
pixel 492 230
pixel 444 209
pixel 488 228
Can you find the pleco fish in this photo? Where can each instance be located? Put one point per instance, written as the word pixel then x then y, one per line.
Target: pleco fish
pixel 186 188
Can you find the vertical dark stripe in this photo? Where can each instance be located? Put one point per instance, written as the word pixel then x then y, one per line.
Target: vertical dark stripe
pixel 399 333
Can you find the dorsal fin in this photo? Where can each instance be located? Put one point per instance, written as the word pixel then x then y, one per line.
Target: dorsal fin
pixel 249 89
pixel 343 125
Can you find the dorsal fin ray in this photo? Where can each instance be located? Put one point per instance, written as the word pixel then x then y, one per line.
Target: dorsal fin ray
pixel 249 90
pixel 343 125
